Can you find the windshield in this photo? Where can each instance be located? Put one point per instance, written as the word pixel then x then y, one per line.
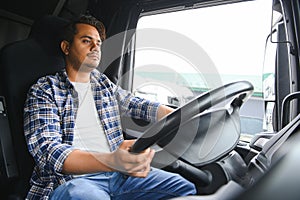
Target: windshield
pixel 182 54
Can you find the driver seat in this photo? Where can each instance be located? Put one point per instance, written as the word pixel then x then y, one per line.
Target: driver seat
pixel 21 64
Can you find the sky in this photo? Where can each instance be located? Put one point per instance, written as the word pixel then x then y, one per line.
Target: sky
pixel 233 52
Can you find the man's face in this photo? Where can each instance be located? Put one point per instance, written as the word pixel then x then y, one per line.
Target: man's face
pixel 84 51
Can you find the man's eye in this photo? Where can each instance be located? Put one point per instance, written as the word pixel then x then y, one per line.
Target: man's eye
pixel 86 41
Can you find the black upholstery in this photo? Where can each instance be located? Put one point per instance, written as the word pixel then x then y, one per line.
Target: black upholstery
pixel 21 64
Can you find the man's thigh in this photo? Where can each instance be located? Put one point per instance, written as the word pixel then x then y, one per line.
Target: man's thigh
pixel 84 188
pixel 158 184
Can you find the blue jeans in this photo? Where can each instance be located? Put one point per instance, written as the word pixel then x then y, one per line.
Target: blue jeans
pixel 158 184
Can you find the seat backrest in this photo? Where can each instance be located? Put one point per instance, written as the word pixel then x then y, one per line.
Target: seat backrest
pixel 21 64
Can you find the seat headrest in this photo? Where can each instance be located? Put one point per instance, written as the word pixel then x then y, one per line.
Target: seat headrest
pixel 48 26
pixel 47 32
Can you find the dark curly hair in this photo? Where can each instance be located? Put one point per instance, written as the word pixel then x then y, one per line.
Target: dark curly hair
pixel 70 30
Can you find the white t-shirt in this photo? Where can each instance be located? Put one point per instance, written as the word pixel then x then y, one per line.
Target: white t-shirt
pixel 89 134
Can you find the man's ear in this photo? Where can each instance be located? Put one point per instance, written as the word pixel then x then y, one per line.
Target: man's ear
pixel 64 45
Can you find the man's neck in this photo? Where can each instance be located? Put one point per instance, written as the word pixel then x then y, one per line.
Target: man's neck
pixel 78 76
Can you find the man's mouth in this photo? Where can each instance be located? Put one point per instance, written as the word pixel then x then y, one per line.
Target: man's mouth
pixel 93 56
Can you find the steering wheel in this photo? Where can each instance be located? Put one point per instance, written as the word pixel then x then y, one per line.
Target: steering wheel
pixel 166 127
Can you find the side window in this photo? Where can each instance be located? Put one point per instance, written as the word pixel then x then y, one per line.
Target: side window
pixel 182 54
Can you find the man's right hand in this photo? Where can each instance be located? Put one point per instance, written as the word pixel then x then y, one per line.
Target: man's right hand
pixel 137 165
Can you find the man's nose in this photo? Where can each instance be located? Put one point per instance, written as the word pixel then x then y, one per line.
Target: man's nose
pixel 95 46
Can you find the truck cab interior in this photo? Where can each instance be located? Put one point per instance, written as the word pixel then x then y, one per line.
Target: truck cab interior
pixel 235 129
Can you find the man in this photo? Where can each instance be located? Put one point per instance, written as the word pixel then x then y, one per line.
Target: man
pixel 73 130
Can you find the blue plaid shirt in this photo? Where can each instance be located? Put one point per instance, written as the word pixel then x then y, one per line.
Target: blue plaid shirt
pixel 49 120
